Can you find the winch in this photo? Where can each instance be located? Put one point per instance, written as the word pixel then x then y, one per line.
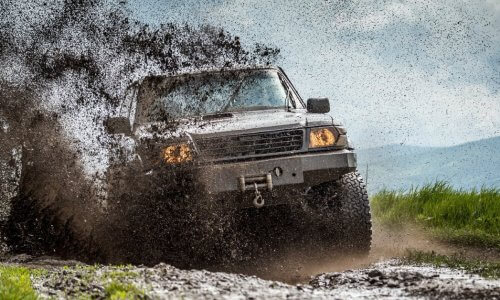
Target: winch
pixel 256 181
pixel 258 201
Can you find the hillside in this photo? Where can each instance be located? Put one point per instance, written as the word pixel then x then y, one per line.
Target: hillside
pixel 468 165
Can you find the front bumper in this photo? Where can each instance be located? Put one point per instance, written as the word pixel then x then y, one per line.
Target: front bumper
pixel 298 170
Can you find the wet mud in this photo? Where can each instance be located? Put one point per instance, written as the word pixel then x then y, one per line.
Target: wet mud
pixel 296 263
pixel 71 189
pixel 65 68
pixel 296 275
pixel 389 279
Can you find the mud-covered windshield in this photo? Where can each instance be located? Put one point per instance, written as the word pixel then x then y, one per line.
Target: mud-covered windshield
pixel 210 93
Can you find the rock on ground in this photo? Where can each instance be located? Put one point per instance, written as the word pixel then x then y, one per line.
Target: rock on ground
pixel 387 280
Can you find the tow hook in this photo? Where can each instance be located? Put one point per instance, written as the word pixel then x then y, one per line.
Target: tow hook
pixel 258 201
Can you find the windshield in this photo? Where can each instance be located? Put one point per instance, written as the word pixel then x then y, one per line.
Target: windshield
pixel 184 96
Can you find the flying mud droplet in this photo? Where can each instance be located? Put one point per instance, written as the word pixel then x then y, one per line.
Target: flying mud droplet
pixel 65 67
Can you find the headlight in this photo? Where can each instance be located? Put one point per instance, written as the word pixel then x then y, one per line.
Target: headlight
pixel 321 137
pixel 175 154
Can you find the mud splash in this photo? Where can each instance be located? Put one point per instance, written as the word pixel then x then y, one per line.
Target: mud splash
pixel 64 69
pixel 295 265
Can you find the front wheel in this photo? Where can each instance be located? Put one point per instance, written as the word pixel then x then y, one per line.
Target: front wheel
pixel 344 207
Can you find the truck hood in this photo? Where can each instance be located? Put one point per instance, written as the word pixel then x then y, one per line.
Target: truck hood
pixel 239 123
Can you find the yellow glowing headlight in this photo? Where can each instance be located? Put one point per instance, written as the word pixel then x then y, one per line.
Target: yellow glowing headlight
pixel 321 137
pixel 175 154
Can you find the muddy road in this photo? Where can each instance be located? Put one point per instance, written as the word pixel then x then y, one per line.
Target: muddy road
pixel 380 275
pixel 387 279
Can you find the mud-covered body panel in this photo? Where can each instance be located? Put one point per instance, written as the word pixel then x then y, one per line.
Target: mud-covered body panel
pixel 249 144
pixel 301 170
pixel 239 123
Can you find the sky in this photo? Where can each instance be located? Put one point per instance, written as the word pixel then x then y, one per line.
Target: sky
pixel 421 73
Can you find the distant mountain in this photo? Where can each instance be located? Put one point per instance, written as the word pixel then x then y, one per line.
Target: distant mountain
pixel 469 165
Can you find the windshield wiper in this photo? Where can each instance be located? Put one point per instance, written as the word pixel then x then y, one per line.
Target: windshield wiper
pixel 233 95
pixel 250 108
pixel 217 116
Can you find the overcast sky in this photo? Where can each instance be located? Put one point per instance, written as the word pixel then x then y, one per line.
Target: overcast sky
pixel 411 72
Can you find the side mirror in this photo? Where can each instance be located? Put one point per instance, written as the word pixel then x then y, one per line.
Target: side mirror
pixel 318 105
pixel 118 125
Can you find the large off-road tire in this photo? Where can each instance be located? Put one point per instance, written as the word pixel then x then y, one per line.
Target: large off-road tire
pixel 343 213
pixel 354 213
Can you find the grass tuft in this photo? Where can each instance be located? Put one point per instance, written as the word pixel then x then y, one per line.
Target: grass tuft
pixel 465 217
pixel 120 275
pixel 15 283
pixel 483 268
pixel 118 290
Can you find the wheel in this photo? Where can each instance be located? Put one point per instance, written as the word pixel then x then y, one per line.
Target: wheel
pixel 344 210
pixel 354 213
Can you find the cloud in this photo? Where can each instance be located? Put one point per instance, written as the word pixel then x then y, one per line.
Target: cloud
pixel 372 19
pixel 418 72
pixel 382 104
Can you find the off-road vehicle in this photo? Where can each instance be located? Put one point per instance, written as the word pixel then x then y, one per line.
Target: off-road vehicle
pixel 247 138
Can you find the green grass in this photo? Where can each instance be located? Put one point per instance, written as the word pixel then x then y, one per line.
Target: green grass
pixel 115 280
pixel 118 290
pixel 465 217
pixel 483 268
pixel 120 275
pixel 15 283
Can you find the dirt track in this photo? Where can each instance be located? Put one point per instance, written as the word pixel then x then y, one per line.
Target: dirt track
pixel 387 279
pixel 333 277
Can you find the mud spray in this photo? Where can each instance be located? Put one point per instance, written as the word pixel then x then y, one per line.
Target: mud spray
pixel 295 263
pixel 64 68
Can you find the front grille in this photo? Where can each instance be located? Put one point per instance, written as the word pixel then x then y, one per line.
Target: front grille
pixel 264 143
